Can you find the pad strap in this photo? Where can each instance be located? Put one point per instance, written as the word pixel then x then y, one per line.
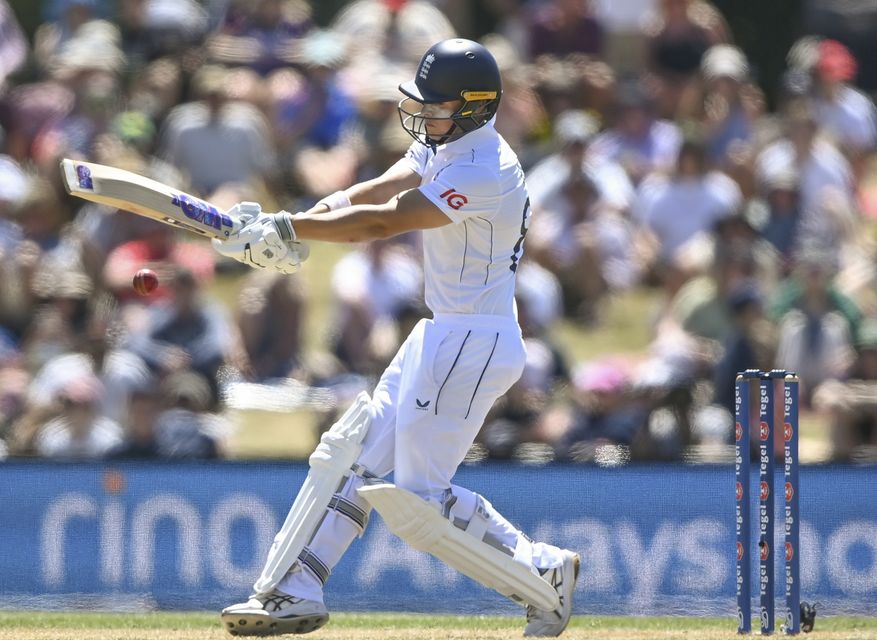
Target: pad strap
pixel 317 566
pixel 349 510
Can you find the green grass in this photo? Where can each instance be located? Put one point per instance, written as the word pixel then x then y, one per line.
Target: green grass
pixel 624 328
pixel 183 626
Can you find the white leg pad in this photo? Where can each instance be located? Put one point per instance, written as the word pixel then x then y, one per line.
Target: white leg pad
pixel 330 463
pixel 421 525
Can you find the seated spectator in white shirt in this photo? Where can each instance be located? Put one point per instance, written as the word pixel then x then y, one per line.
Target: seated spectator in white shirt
pixel 197 137
pixel 92 353
pixel 79 432
pixel 690 201
pixel 819 165
pixel 579 230
pixel 573 133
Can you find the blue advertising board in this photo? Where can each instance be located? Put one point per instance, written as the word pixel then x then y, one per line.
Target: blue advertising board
pixel 656 539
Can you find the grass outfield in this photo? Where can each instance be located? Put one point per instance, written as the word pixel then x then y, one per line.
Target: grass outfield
pixel 205 626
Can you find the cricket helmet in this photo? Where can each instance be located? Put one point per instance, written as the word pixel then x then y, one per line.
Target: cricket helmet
pixel 455 69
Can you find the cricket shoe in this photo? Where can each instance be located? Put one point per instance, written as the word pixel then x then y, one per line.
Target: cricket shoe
pixel 273 614
pixel 563 578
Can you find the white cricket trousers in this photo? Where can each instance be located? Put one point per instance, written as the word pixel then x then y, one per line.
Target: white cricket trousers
pixel 429 406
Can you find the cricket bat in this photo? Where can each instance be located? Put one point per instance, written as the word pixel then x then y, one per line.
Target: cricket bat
pixel 131 192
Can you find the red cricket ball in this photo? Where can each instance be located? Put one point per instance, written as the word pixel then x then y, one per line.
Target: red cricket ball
pixel 145 282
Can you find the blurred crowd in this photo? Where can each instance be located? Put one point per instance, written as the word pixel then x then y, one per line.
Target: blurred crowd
pixel 655 163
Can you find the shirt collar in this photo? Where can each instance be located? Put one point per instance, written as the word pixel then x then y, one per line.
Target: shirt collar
pixel 469 140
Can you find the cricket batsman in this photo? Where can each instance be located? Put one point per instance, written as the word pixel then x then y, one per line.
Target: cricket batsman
pixel 462 185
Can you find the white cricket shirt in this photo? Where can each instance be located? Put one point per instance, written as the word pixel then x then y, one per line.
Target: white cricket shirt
pixel 469 266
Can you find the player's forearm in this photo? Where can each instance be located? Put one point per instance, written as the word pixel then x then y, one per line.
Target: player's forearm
pixel 375 191
pixel 397 179
pixel 358 223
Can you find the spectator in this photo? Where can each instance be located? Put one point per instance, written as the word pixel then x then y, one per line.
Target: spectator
pixel 840 109
pixel 13 45
pixel 159 249
pixel 637 140
pixel 197 135
pixel 603 411
pixel 42 217
pixel 538 296
pixel 376 136
pixel 580 231
pixel 79 431
pixel 748 344
pixel 371 287
pixel 574 131
pixel 560 27
pixel 698 307
pixel 618 197
pixel 93 352
pixel 817 324
pixel 14 381
pixel 851 405
pixel 691 200
pixel 184 332
pixel 522 112
pixel 157 89
pixel 318 117
pixel 18 259
pixel 13 189
pixel 822 169
pixel 60 316
pixel 523 414
pixel 262 34
pixel 782 228
pixel 677 42
pixel 50 37
pixel 140 440
pixel 394 31
pixel 32 110
pixel 186 428
pixel 270 317
pixel 731 105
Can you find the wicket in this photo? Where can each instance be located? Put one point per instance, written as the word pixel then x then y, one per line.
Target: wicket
pixel 767 384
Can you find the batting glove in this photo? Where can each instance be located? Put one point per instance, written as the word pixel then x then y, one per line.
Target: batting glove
pixel 266 241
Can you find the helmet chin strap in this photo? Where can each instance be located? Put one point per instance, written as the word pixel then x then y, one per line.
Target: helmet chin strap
pixel 445 138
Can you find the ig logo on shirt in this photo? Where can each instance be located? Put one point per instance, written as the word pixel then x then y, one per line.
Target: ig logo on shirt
pixel 454 199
